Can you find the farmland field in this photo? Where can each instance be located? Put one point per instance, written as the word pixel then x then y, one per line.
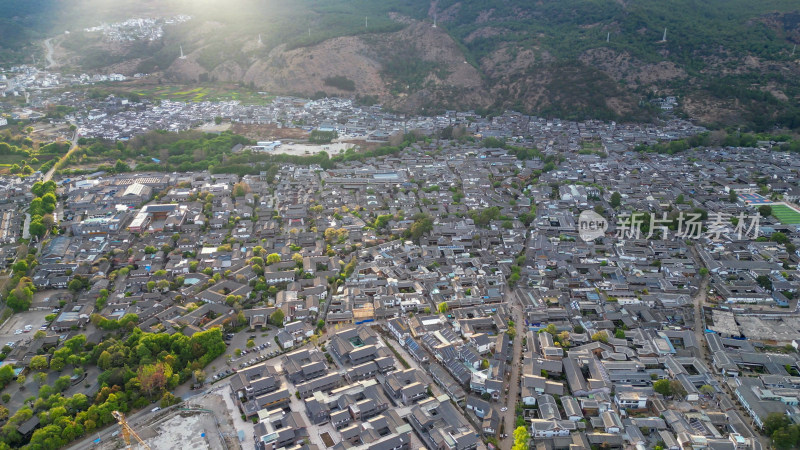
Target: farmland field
pixel 202 93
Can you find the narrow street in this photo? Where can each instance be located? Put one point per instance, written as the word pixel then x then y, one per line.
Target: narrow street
pixel 509 417
pixel 700 327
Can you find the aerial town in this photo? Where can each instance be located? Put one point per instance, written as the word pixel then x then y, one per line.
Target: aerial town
pixel 347 276
pixel 139 28
pixel 442 296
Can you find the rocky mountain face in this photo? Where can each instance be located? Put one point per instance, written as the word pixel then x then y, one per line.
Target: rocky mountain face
pixel 552 58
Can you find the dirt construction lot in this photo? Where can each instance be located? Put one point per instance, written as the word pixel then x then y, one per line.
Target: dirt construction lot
pixel 198 424
pixel 184 431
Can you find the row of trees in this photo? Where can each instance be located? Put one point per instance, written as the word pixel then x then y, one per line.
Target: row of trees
pixel 784 434
pixel 42 207
pixel 20 291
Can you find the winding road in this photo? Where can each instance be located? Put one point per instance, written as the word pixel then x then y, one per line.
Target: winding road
pixel 49 175
pixel 48 55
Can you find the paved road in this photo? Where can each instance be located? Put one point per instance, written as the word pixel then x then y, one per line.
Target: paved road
pixel 49 174
pixel 699 333
pixel 135 420
pixel 513 388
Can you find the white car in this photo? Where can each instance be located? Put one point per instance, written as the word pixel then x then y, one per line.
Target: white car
pixel 18 332
pixel 503 409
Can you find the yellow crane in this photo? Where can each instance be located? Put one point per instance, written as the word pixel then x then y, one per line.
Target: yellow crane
pixel 127 431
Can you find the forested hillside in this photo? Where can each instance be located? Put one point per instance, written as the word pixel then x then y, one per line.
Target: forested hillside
pixel 728 61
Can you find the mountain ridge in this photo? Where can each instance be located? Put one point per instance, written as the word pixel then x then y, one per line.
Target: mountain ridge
pixel 575 59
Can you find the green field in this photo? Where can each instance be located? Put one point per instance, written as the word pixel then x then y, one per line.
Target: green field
pixel 204 93
pixel 785 214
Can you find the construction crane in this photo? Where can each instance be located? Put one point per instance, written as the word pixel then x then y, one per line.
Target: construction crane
pixel 127 431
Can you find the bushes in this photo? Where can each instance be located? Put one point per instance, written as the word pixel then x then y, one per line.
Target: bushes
pixel 340 82
pixel 322 137
pixel 125 322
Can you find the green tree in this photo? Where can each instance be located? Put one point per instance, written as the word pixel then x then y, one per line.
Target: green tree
pixel 273 258
pixel 421 226
pixel 774 421
pixel 251 343
pixel 37 227
pixel 49 202
pixel 240 189
pixel 75 285
pixel 168 400
pixel 57 364
pixel 276 318
pixel 779 237
pixel 616 199
pixel 39 362
pixel 20 267
pixel 6 374
pixel 40 378
pixel 765 210
pixel 765 282
pixel 62 383
pixel 600 336
pixel 163 285
pixel 786 437
pixel 663 387
pixel 120 167
pixel 443 308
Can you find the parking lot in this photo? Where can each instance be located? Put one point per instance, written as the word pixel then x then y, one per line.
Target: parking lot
pixel 264 349
pixel 254 356
pixel 18 321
